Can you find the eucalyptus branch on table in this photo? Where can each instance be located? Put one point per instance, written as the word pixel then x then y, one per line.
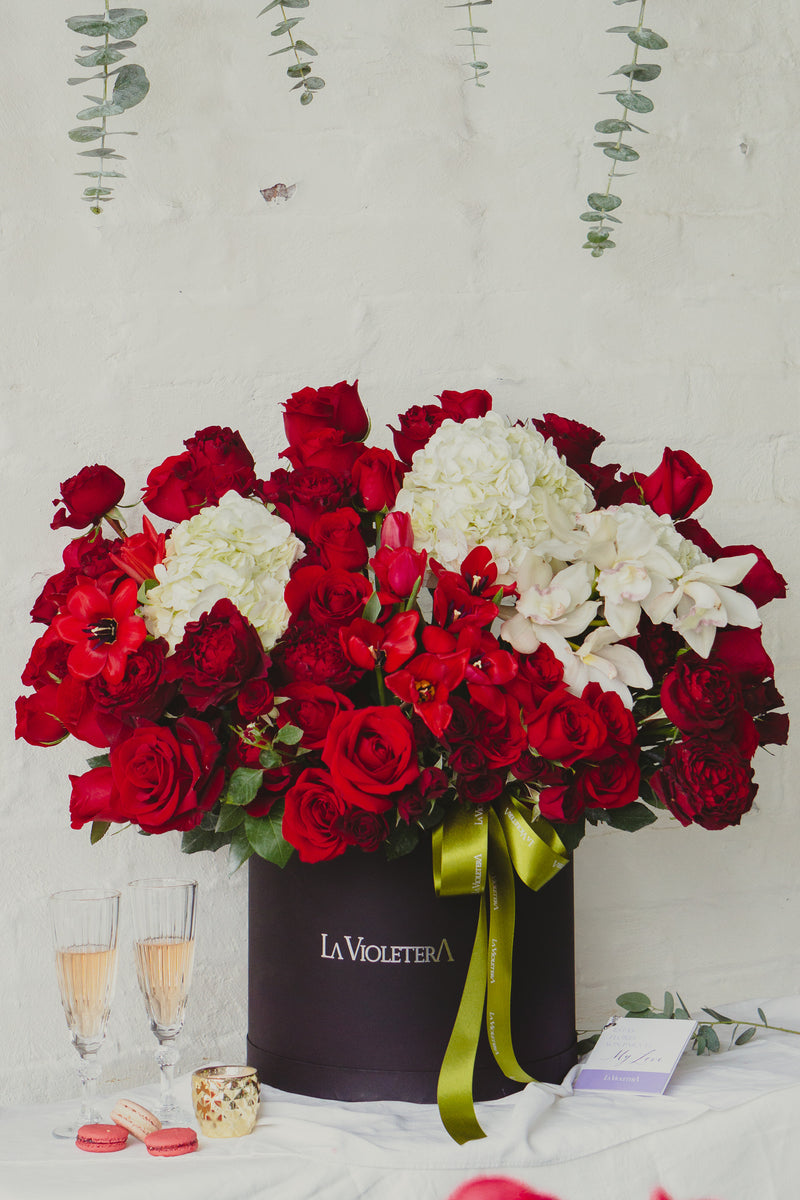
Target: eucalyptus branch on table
pixel 131 85
pixel 602 204
pixel 300 69
pixel 705 1038
pixel 478 66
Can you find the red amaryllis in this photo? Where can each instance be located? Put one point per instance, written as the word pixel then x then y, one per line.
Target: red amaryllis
pixel 138 555
pixel 385 646
pixel 102 629
pixel 87 497
pixel 426 683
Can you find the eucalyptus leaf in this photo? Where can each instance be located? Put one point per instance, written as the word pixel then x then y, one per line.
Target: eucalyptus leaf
pixel 597 252
pixel 597 235
pixel 102 174
pixel 305 48
pixel 669 1004
pixel 622 29
pixel 700 1044
pixel 99 58
pixel 612 125
pixel 636 101
pixel 762 1015
pixel 283 50
pixel 314 83
pixel 746 1036
pixel 121 23
pixel 100 152
pixel 471 29
pixel 478 66
pixel 602 202
pixel 265 836
pixel 712 1012
pixel 712 1041
pixel 306 97
pixel 592 216
pixel 298 70
pixel 99 110
pixel 96 191
pixel 131 86
pixel 634 1001
pixel 621 154
pixel 284 27
pixel 648 39
pixel 642 72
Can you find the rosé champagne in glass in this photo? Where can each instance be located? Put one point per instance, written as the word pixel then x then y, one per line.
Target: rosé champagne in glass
pixel 85 926
pixel 164 912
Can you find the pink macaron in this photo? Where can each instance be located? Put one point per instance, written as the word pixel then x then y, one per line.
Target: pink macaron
pixel 101 1139
pixel 496 1188
pixel 168 1143
pixel 134 1117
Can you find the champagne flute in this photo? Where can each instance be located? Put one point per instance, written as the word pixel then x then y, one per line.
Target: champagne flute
pixel 163 930
pixel 85 925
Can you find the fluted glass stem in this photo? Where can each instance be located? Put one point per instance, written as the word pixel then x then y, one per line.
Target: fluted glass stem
pixel 167 1057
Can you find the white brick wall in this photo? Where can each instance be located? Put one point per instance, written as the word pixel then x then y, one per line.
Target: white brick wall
pixel 433 242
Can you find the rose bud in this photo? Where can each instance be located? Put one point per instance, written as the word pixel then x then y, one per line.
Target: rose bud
pixel 87 497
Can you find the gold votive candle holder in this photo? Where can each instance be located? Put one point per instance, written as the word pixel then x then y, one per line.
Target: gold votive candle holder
pixel 225 1100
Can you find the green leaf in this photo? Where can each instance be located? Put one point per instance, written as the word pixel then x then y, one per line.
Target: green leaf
pixel 102 174
pixel 306 97
pixel 612 125
pixel 86 133
pixel 240 850
pixel 269 758
pixel 669 1004
pixel 700 1044
pixel 98 760
pixel 597 235
pixel 401 841
pixel 286 4
pixel 99 58
pixel 471 29
pixel 712 1012
pixel 122 23
pixel 289 735
pixel 100 152
pixel 597 252
pixel 632 816
pixel 683 1012
pixel 99 110
pixel 243 785
pixel 230 817
pixel 619 153
pixel 622 29
pixel 571 834
pixel 602 202
pixel 305 48
pixel 314 83
pixel 625 1
pixel 592 216
pixel 298 70
pixel 96 191
pixel 586 1044
pixel 634 1001
pixel 762 1015
pixel 712 1041
pixel 101 828
pixel 477 66
pixel 131 86
pixel 284 27
pixel 197 839
pixel 283 50
pixel 265 836
pixel 648 39
pixel 642 72
pixel 636 101
pixel 745 1037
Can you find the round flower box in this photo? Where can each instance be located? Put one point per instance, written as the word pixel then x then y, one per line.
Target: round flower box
pixel 357 969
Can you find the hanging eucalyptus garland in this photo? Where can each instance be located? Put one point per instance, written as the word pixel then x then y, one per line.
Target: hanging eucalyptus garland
pixel 300 69
pixel 478 67
pixel 130 86
pixel 602 204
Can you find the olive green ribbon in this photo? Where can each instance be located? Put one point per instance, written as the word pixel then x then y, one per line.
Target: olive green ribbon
pixel 477 849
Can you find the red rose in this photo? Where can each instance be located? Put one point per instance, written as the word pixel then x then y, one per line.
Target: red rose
pixel 160 778
pixel 565 729
pixel 501 733
pixel 461 406
pixel 658 646
pixel 303 495
pixel 308 653
pixel 560 803
pixel 37 723
pixel 617 718
pixel 215 461
pixel 703 697
pixel 143 690
pixel 87 721
pixel 371 753
pixel 367 830
pixel 576 442
pixel 417 799
pixel 377 477
pixel 256 696
pixel 538 675
pixel 612 783
pixel 326 448
pixel 705 781
pixel 312 817
pixel 311 707
pixel 468 760
pixel 677 487
pixel 48 661
pixel 274 784
pixel 87 497
pixel 88 555
pixel 338 407
pixel 463 723
pixel 218 654
pixel 417 426
pixel 329 597
pixel 479 789
pixel 338 538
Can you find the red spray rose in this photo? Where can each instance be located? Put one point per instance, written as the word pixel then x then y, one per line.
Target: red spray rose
pixel 417 426
pixel 574 441
pixel 338 407
pixel 143 691
pixel 705 781
pixel 90 556
pixel 308 653
pixel 312 817
pixel 371 753
pixel 87 497
pixel 215 461
pixel 303 495
pixel 218 654
pixel 761 584
pixel 311 707
pixel 364 829
pixel 612 783
pixel 705 698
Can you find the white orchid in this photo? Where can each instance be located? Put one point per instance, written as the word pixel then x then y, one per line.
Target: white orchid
pixel 703 601
pixel 559 600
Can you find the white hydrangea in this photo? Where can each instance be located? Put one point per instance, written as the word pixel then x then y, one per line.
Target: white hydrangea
pixel 487 483
pixel 237 550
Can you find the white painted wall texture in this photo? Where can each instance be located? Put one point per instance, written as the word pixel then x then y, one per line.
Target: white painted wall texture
pixel 432 242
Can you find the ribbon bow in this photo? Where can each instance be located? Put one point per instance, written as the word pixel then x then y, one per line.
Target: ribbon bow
pixel 476 850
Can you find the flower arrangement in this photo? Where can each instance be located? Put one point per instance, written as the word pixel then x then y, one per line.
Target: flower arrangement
pixel 367 646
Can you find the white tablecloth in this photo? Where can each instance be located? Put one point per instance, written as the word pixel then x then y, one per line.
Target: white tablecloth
pixel 727 1129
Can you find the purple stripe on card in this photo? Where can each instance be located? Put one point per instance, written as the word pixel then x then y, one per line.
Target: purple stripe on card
pixel 623 1081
